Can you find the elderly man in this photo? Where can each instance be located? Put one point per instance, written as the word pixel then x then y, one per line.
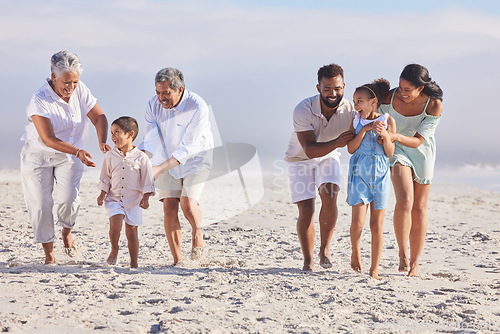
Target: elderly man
pixel 179 140
pixel 321 125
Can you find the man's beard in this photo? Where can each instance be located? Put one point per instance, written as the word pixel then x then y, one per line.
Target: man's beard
pixel 330 104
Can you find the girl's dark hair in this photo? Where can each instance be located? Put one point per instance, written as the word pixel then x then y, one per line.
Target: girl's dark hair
pixel 419 76
pixel 378 88
pixel 127 124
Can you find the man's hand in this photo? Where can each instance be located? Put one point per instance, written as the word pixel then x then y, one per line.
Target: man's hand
pixel 344 138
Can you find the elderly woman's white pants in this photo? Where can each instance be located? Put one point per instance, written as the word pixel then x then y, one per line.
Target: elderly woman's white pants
pixel 40 172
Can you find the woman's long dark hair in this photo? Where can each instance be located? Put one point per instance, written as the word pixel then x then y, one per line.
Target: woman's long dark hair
pixel 419 76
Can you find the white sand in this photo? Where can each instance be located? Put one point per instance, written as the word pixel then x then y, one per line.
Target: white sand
pixel 250 280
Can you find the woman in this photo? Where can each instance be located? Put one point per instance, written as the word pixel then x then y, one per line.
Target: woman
pixel 53 152
pixel 416 105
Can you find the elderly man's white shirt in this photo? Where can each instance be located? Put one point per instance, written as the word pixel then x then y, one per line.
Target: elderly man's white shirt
pixel 69 119
pixel 182 132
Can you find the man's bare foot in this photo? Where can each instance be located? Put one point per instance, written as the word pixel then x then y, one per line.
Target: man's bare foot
pixel 404 264
pixel 324 261
pixel 134 265
pixel 356 261
pixel 113 256
pixel 308 266
pixel 413 270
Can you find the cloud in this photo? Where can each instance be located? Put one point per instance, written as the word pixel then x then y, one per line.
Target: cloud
pixel 252 63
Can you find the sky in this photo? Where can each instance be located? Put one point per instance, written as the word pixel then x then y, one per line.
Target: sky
pixel 254 61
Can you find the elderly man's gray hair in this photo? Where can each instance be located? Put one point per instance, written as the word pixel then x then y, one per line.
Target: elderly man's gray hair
pixel 65 61
pixel 173 75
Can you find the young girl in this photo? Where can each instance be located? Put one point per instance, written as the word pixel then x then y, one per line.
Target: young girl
pixel 369 174
pixel 126 183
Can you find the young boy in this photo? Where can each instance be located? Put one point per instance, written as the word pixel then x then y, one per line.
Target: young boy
pixel 126 182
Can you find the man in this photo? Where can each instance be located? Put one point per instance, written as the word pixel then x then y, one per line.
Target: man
pixel 321 125
pixel 179 141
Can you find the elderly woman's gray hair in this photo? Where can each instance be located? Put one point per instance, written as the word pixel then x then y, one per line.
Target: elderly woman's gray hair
pixel 173 75
pixel 65 61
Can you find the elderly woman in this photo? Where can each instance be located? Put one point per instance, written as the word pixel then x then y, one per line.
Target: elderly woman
pixel 53 152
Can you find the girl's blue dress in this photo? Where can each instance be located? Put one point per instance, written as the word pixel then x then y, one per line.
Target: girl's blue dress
pixel 369 174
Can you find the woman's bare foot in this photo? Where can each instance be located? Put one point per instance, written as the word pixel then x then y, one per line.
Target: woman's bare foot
pixel 324 261
pixel 413 270
pixel 404 264
pixel 356 261
pixel 374 274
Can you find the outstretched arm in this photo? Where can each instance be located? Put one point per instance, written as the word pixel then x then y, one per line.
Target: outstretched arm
pixel 46 132
pixel 98 118
pixel 313 149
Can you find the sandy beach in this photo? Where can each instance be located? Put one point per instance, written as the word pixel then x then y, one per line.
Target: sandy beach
pixel 249 280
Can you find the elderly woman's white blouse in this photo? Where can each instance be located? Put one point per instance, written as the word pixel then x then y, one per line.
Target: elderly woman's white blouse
pixel 69 120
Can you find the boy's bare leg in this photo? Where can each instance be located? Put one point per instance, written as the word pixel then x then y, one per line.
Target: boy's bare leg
pixel 306 232
pixel 115 228
pixel 132 233
pixel 173 227
pixel 377 231
pixel 357 223
pixel 48 249
pixel 327 220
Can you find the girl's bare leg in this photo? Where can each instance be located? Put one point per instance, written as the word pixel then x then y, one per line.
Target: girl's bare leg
pixel 357 223
pixel 377 231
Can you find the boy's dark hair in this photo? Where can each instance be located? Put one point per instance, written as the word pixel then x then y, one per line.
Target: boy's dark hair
pixel 330 71
pixel 127 124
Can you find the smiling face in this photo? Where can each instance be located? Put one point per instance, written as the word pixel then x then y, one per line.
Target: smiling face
pixel 65 84
pixel 168 96
pixel 364 105
pixel 408 91
pixel 331 91
pixel 122 140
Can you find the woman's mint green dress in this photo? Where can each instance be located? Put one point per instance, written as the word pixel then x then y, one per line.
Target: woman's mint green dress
pixel 421 159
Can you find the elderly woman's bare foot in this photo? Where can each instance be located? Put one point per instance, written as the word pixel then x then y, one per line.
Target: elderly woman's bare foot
pixel 48 249
pixel 50 259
